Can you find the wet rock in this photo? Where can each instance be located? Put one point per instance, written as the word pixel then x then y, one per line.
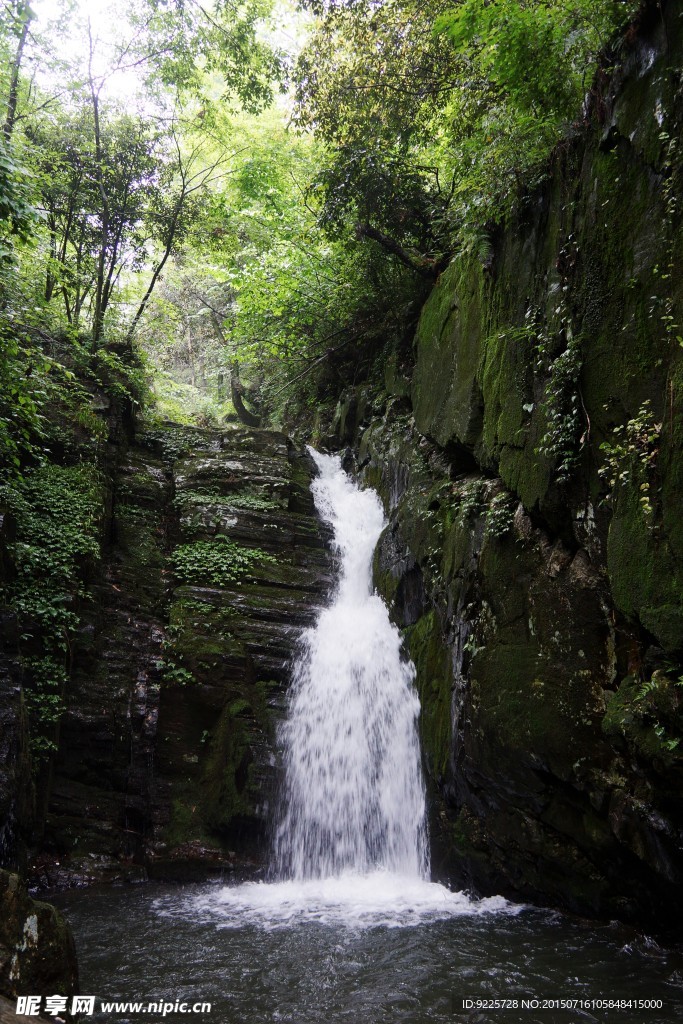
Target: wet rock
pixel 540 788
pixel 167 760
pixel 534 549
pixel 102 787
pixel 17 797
pixel 193 862
pixel 37 953
pixel 232 646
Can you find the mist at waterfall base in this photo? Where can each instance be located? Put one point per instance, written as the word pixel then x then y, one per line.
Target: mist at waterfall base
pixel 350 843
pixel 351 929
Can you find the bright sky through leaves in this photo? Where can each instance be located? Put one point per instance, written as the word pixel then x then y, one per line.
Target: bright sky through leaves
pixel 109 23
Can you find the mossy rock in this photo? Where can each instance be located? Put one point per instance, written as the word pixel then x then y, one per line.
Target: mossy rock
pixel 649 717
pixel 446 396
pixel 646 577
pixel 434 678
pixel 37 952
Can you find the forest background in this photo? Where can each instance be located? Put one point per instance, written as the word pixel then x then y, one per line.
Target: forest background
pixel 194 195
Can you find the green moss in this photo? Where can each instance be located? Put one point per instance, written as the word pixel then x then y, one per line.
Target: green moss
pixel 185 824
pixel 227 785
pixel 649 716
pixel 138 534
pixel 434 684
pixel 505 377
pixel 522 703
pixel 201 637
pixel 644 573
pixel 445 392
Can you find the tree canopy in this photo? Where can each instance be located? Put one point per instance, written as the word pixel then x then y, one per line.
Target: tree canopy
pixel 158 188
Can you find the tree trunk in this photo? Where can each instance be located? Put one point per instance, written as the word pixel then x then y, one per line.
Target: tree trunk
pixel 26 14
pixel 237 395
pixel 420 265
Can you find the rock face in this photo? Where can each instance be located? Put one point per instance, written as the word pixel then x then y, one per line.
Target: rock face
pixel 37 953
pixel 16 787
pixel 534 554
pixel 537 789
pixel 16 784
pixel 212 560
pixel 100 797
pixel 233 630
pixel 167 761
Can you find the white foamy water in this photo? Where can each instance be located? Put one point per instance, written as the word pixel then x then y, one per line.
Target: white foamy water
pixel 353 796
pixel 378 899
pixel 350 845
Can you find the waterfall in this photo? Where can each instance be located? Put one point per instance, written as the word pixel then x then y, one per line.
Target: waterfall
pixel 353 792
pixel 350 840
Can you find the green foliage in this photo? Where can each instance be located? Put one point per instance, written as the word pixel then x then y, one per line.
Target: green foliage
pixel 649 715
pixel 46 405
pixel 183 403
pixel 18 217
pixel 58 513
pixel 45 681
pixel 58 510
pixel 440 115
pixel 186 501
pixel 21 422
pixel 219 562
pixel 631 456
pixel 672 166
pixel 370 82
pixel 240 243
pixel 175 442
pixel 121 375
pixel 262 286
pixel 194 49
pixel 176 675
pixel 500 515
pixel 471 502
pixel 537 54
pixel 118 189
pixel 562 405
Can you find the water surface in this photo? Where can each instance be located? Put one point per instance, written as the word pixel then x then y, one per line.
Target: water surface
pixel 330 965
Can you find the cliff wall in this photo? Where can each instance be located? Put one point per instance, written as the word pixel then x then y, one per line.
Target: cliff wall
pixel 528 451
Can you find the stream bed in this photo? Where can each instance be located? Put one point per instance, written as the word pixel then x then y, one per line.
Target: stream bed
pixel 258 955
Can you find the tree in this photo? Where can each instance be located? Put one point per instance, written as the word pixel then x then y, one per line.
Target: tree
pixel 189 45
pixel 19 15
pixel 368 83
pixel 437 113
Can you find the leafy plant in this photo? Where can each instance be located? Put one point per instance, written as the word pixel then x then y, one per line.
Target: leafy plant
pixel 187 500
pixel 177 675
pixel 500 515
pixel 631 456
pixel 58 512
pixel 220 561
pixel 471 501
pixel 649 714
pixel 562 441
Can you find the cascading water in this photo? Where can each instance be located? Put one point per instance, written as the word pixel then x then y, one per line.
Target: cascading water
pixel 354 795
pixel 350 843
